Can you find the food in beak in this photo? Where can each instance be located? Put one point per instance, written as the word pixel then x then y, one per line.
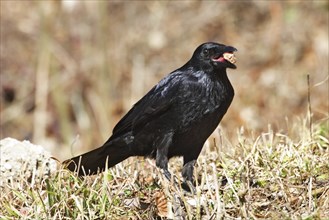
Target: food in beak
pixel 230 57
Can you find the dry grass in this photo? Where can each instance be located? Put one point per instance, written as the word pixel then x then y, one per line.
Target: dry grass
pixel 272 176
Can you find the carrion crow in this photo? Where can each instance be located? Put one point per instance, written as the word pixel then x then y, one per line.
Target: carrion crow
pixel 174 118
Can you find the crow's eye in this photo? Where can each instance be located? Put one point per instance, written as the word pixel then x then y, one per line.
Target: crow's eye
pixel 206 52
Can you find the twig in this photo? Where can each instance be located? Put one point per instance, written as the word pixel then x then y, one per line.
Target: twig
pixel 310 118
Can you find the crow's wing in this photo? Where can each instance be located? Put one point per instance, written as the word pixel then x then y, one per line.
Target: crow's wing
pixel 155 103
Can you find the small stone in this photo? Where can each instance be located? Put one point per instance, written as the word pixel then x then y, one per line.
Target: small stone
pixel 22 160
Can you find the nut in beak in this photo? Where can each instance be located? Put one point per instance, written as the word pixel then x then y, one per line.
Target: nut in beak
pixel 230 57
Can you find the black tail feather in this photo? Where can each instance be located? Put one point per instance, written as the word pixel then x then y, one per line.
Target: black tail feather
pixel 96 160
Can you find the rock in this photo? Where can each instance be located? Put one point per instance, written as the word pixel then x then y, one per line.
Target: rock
pixel 23 162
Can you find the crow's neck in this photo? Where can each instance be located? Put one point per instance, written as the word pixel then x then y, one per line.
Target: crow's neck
pixel 222 79
pixel 219 76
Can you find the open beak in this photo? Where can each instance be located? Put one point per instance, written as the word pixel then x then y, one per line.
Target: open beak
pixel 227 57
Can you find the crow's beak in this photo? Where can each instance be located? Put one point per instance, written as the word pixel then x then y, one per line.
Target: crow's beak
pixel 230 49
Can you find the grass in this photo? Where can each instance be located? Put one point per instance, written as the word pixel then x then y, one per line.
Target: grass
pixel 272 176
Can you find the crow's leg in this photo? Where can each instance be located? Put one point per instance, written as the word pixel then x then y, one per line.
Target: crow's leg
pixel 162 154
pixel 187 173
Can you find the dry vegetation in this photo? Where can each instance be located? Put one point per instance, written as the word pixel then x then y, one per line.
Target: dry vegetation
pixel 70 71
pixel 274 176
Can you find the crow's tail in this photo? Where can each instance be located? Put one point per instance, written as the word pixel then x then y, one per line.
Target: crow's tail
pixel 96 160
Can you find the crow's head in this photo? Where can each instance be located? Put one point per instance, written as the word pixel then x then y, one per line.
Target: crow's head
pixel 214 56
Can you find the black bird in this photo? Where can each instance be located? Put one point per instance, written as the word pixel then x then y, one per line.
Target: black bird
pixel 174 118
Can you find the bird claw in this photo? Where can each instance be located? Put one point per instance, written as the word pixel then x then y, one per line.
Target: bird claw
pixel 188 186
pixel 167 174
pixel 169 177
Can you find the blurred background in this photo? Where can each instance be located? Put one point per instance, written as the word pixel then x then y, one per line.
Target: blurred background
pixel 71 69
